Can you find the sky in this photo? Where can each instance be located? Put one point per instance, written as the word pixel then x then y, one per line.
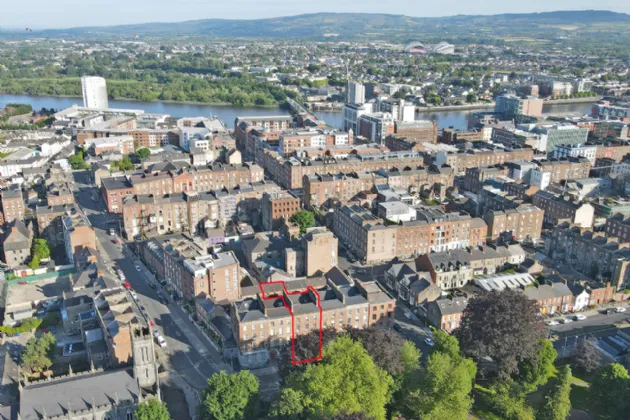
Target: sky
pixel 42 14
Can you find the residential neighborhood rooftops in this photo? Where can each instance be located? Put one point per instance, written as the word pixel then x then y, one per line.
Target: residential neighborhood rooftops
pixel 505 281
pixel 454 305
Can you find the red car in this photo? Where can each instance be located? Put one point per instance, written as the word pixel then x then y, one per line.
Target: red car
pixel 127 285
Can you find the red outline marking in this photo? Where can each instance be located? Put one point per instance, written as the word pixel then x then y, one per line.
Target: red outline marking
pixel 284 287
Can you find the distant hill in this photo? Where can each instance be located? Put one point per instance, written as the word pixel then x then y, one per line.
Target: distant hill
pixel 360 26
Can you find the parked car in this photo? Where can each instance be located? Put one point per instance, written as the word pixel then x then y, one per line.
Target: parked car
pixel 161 341
pixel 620 309
pixel 552 323
pixel 127 285
pixel 112 232
pixel 397 327
pixel 429 342
pixel 156 332
pixel 138 268
pixel 579 317
pixel 566 320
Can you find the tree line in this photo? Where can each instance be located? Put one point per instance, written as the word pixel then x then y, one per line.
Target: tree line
pixel 497 365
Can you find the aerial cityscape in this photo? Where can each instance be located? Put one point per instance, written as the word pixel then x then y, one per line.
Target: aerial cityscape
pixel 339 216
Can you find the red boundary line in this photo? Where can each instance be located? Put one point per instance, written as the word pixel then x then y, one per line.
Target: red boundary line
pixel 319 306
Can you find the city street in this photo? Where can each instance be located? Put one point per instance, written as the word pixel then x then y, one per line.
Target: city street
pixel 188 352
pixel 593 320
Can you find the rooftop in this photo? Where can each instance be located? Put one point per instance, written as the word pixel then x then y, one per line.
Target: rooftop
pixel 76 393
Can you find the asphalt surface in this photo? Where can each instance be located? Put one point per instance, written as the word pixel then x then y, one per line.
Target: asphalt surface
pixel 188 352
pixel 591 320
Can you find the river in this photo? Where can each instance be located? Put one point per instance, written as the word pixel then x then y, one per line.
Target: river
pixel 228 113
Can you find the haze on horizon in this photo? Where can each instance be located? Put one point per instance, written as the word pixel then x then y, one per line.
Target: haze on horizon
pixel 41 14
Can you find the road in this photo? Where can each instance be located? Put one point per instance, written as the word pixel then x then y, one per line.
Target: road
pixel 189 354
pixel 591 321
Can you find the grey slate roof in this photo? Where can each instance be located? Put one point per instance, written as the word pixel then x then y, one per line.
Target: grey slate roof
pixel 77 393
pixel 448 306
pixel 548 291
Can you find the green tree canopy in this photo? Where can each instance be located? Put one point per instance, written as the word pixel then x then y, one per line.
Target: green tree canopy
pixel 143 153
pixel 537 371
pixel 388 349
pixel 444 385
pixel 346 380
pixel 609 391
pixel 304 219
pixel 289 405
pixel 77 161
pixel 151 410
pixel 40 248
pixel 37 354
pixel 507 400
pixel 557 403
pixel 230 397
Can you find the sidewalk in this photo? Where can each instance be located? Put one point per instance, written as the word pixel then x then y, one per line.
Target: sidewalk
pixel 193 398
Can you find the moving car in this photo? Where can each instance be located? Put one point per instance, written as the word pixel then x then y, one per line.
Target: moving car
pixel 138 268
pixel 161 341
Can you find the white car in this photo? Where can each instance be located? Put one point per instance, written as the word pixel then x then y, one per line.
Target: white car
pixel 134 296
pixel 429 342
pixel 138 268
pixel 161 341
pixel 552 323
pixel 579 317
pixel 620 309
pixel 566 320
pixel 156 332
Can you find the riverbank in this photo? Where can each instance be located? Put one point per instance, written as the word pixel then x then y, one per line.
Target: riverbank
pixel 457 118
pixel 166 101
pixel 468 107
pixel 489 105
